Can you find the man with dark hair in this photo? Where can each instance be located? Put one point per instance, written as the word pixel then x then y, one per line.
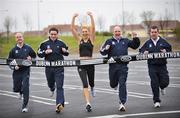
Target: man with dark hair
pixel 21 74
pixel 52 50
pixel 118 72
pixel 157 67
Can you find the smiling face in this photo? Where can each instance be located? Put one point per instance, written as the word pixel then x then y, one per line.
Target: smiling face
pixel 19 38
pixel 154 33
pixel 53 35
pixel 85 33
pixel 117 32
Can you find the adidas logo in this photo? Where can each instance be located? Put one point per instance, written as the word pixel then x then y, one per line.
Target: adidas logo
pixel 13 63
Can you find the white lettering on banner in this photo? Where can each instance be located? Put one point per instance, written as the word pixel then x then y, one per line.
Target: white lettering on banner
pixel 167 55
pixel 93 61
pixel 144 56
pixel 63 63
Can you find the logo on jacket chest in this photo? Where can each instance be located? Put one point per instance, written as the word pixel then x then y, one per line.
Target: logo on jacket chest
pixel 21 51
pixel 48 47
pixel 114 43
pixel 16 51
pixel 150 45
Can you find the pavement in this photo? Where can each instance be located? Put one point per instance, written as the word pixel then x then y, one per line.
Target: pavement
pixel 104 105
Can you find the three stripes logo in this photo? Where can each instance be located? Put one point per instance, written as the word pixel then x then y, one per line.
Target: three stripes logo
pixel 13 62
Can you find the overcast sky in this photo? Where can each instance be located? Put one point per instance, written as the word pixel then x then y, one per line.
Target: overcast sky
pixel 61 11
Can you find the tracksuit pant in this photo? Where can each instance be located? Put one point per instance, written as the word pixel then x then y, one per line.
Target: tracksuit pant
pixel 118 75
pixel 55 75
pixel 159 79
pixel 21 84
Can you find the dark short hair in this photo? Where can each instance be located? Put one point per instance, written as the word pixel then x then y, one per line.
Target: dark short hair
pixel 154 27
pixel 53 29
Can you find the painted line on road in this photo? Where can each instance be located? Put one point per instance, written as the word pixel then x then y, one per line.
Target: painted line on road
pixel 137 114
pixel 35 98
pixel 38 101
pixel 148 83
pixel 102 90
pixel 2 76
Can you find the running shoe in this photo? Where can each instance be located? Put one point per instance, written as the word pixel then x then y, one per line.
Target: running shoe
pixel 59 108
pixel 88 108
pixel 122 107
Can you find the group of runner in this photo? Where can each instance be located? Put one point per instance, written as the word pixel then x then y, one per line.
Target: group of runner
pixel 54 49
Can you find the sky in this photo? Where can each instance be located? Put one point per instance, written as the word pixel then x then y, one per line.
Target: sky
pixel 42 13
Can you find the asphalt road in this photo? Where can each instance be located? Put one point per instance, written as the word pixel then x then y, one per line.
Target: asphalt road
pixel 105 104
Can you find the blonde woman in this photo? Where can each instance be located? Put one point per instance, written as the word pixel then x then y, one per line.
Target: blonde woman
pixel 85 41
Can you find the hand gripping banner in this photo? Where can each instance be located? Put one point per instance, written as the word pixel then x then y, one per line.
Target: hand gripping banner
pixel 93 61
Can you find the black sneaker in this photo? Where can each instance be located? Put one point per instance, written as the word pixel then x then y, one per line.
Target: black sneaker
pixel 88 108
pixel 59 108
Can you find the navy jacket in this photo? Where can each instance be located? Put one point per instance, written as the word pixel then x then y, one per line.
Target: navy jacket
pixel 119 48
pixel 22 53
pixel 56 47
pixel 151 48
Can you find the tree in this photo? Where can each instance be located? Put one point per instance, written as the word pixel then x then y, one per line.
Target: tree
pixel 128 19
pixel 147 17
pixel 161 24
pixel 177 32
pixel 8 23
pixel 164 22
pixel 117 19
pixel 15 24
pixel 101 23
pixel 131 20
pixel 27 21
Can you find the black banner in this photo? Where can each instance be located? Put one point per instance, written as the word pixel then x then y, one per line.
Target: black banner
pixel 93 61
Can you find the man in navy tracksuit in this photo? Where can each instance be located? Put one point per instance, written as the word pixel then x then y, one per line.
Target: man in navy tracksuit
pixel 53 49
pixel 118 46
pixel 21 74
pixel 157 67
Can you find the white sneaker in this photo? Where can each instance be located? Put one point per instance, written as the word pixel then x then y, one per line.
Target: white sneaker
pixel 122 107
pixel 24 110
pixel 157 104
pixel 115 88
pixel 93 92
pixel 163 92
pixel 52 94
pixel 20 96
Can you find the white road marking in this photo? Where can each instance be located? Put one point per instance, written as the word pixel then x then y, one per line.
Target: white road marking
pixel 137 114
pixel 15 95
pixel 38 101
pixel 102 90
pixel 2 76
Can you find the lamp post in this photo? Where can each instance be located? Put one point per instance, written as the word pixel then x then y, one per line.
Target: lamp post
pixel 51 20
pixel 123 17
pixel 38 14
